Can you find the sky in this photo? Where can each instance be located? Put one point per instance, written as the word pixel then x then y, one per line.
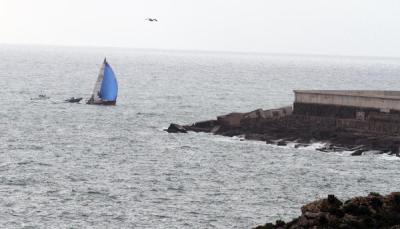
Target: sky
pixel 327 27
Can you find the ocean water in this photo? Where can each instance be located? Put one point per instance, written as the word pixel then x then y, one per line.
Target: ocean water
pixel 81 166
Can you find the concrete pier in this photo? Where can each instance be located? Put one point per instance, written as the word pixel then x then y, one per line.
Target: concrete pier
pixel 382 100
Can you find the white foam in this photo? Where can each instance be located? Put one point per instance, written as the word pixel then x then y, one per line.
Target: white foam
pixel 388 157
pixel 371 152
pixel 315 145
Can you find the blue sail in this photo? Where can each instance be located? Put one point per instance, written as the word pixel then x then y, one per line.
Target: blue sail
pixel 109 85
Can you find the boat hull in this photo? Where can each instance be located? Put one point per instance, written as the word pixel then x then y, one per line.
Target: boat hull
pixel 109 103
pixel 106 103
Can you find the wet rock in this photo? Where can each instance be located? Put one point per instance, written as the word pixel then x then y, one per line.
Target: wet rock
pixel 269 141
pixel 266 226
pixel 274 125
pixel 281 143
pixel 298 145
pixel 324 149
pixel 231 132
pixel 280 223
pixel 324 205
pixel 372 211
pixel 334 202
pixel 257 137
pixel 176 128
pixel 215 129
pixel 204 126
pixel 357 152
pixel 395 148
pixel 209 124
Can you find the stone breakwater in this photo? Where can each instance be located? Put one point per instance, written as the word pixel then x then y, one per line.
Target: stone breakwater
pixel 372 211
pixel 282 126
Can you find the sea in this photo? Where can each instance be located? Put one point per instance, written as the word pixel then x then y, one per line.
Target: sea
pixel 66 165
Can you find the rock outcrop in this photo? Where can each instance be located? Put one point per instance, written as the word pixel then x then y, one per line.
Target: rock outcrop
pixel 372 211
pixel 281 126
pixel 176 128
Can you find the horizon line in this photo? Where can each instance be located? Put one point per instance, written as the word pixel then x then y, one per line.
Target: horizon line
pixel 201 50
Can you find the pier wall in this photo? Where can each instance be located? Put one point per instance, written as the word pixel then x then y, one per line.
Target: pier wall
pixel 349 118
pixel 333 111
pixel 382 100
pixel 381 127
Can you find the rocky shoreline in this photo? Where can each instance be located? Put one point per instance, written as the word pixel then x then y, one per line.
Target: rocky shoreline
pixel 281 126
pixel 372 211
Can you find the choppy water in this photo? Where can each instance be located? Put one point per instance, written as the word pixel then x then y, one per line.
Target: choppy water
pixel 80 166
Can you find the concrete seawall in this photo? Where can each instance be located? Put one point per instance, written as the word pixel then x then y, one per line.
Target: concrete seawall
pixel 382 100
pixel 353 118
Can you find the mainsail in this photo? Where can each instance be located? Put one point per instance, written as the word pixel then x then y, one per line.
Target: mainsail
pixel 106 87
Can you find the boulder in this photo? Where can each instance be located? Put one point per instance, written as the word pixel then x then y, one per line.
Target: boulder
pixel 357 152
pixel 176 128
pixel 281 143
pixel 298 145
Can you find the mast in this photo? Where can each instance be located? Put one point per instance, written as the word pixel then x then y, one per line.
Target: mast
pixel 95 98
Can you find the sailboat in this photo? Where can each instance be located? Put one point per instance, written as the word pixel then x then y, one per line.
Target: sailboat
pixel 105 90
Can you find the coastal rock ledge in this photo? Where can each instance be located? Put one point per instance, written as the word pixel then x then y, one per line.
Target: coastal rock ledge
pixel 372 211
pixel 376 132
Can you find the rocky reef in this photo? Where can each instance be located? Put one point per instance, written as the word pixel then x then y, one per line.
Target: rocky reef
pixel 372 211
pixel 281 126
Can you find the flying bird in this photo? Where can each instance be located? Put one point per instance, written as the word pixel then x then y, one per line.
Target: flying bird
pixel 151 19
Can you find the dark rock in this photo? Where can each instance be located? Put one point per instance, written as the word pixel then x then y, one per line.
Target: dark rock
pixel 175 128
pixel 263 125
pixel 337 212
pixel 298 145
pixel 333 201
pixel 231 132
pixel 363 210
pixel 258 137
pixel 395 149
pixel 372 211
pixel 357 152
pixel 349 208
pixel 280 223
pixel 376 202
pixel 266 226
pixel 206 124
pixel 322 220
pixel 281 143
pixel 313 207
pixel 324 149
pixel 215 129
pixel 269 141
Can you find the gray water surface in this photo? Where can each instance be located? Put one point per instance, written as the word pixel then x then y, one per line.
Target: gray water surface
pixel 81 166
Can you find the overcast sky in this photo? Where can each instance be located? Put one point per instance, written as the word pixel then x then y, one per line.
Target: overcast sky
pixel 338 27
